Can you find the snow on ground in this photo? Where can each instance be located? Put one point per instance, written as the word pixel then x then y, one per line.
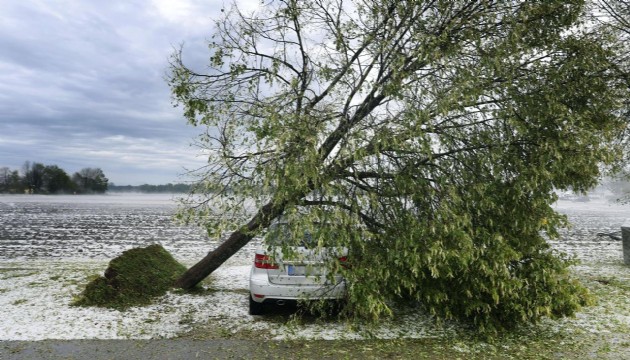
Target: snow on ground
pixel 35 297
pixel 51 245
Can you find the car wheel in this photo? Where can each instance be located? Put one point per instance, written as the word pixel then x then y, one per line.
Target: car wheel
pixel 255 308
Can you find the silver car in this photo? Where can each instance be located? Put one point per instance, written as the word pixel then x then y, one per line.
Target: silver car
pixel 297 273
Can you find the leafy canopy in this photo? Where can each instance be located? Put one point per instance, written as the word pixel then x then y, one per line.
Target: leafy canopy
pixel 432 132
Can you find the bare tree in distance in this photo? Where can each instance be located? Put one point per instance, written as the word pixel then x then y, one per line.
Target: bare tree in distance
pixel 91 180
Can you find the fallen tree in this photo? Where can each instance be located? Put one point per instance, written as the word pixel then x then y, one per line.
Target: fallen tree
pixel 432 132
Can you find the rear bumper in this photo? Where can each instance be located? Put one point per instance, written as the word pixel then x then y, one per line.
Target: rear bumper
pixel 262 290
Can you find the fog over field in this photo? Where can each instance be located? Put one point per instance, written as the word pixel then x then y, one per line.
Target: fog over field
pixel 51 245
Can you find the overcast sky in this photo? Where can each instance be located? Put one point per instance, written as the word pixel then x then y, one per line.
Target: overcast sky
pixel 82 85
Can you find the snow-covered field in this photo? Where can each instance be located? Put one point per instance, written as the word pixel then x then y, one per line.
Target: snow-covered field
pixel 51 245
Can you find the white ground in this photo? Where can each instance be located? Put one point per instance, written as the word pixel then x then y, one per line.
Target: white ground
pixel 44 264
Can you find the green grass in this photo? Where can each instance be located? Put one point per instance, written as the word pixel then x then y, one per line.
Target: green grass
pixel 9 273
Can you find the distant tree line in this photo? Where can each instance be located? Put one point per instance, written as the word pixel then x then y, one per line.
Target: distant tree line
pixel 37 178
pixel 146 188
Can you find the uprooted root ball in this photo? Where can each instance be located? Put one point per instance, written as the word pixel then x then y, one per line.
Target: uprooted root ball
pixel 134 278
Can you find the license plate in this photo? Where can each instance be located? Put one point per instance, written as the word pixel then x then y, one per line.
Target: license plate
pixel 293 270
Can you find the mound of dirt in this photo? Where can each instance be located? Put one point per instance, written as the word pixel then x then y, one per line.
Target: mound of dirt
pixel 134 278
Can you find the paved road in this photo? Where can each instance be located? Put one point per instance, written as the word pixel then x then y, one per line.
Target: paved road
pixel 140 349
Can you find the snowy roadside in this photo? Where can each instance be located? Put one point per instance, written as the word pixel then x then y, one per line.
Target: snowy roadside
pixel 35 297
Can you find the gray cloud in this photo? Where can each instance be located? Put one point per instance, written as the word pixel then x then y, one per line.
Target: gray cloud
pixel 82 85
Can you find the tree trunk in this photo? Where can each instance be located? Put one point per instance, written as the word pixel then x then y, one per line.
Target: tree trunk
pixel 234 243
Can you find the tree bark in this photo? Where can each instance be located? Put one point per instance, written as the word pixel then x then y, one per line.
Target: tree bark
pixel 234 243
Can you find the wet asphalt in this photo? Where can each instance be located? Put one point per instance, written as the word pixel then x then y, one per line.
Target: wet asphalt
pixel 140 349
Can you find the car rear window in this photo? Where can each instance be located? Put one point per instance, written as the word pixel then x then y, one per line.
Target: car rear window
pixel 310 238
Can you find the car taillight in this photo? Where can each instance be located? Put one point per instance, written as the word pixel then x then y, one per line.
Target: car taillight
pixel 263 261
pixel 344 262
